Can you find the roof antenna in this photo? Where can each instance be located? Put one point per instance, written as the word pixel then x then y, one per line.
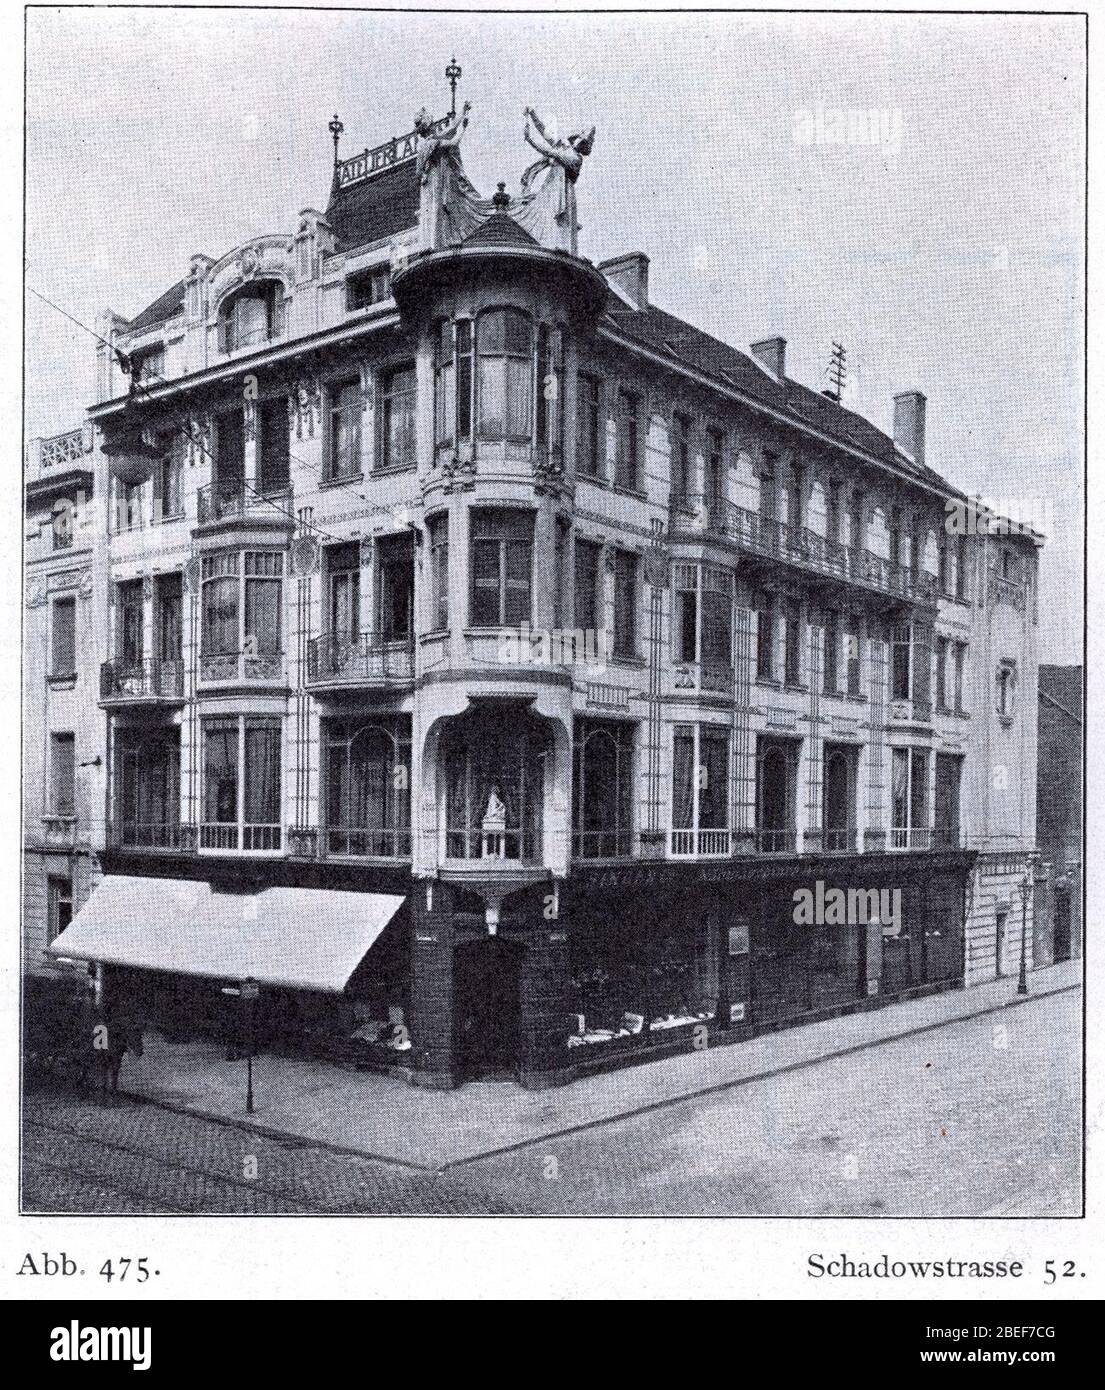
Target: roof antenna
pixel 453 74
pixel 837 372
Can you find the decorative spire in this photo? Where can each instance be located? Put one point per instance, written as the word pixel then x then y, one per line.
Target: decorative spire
pixel 335 128
pixel 501 200
pixel 453 75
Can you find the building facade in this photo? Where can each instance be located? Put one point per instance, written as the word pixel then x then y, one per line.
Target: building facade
pixel 660 695
pixel 1059 814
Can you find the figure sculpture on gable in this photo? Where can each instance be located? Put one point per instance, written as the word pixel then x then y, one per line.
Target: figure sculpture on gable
pixel 448 202
pixel 547 207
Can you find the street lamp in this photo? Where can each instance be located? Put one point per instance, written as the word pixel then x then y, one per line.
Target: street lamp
pixel 1026 889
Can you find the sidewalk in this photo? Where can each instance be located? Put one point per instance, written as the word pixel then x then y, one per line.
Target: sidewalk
pixel 385 1118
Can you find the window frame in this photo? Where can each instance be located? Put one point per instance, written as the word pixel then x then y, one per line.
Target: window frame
pixel 344 414
pixel 68 602
pixel 518 386
pixel 269 844
pixel 393 404
pixel 509 547
pixel 63 791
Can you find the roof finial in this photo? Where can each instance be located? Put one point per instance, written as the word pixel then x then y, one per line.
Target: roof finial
pixel 453 75
pixel 335 127
pixel 501 200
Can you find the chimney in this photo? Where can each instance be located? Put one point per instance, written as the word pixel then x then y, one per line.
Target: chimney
pixel 909 424
pixel 771 354
pixel 629 274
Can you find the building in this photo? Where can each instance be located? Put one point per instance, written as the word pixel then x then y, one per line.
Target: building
pixel 1059 814
pixel 515 680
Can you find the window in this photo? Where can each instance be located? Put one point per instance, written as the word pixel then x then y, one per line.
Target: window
pixel 62 518
pixel 368 287
pixel 398 440
pixel 590 437
pixel 129 498
pixel 793 500
pixel 857 536
pixel 949 770
pixel 839 797
pixel 438 528
pixel 602 790
pixel 489 760
pixel 588 587
pixel 502 568
pixel 445 395
pixel 344 452
pixel 832 653
pixel 241 784
pixel 793 642
pixel 909 798
pixel 59 905
pixel 147 790
pixel 715 472
pixel 550 373
pixel 942 648
pixel 768 483
pixel 776 787
pixel 504 348
pixel 168 500
pixel 1006 683
pixel 922 668
pixel 681 462
pixel 148 364
pixel 274 451
pixel 686 612
pixel 852 655
pixel 252 316
pixel 717 619
pixel 562 542
pixel 343 599
pixel 625 603
pixel 700 789
pixel 961 568
pixel 396 587
pixel 960 659
pixel 627 470
pixel 765 637
pixel 167 617
pixel 230 454
pixel 944 559
pixel 129 643
pixel 895 536
pixel 62 773
pixel 63 637
pixel 832 512
pixel 367 770
pixel 466 378
pixel 231 622
pixel 900 654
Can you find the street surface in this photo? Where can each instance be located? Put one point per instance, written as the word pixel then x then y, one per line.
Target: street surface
pixel 977 1117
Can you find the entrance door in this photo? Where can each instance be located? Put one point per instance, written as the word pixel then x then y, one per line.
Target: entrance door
pixel 487 1009
pixel 1061 937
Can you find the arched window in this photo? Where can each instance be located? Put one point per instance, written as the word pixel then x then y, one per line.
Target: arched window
pixel 252 315
pixel 494 785
pixel 368 800
pixel 603 790
pixel 504 347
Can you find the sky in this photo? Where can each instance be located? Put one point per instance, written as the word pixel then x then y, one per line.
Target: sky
pixel 908 185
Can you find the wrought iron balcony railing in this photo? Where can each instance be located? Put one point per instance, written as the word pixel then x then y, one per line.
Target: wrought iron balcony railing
pixel 135 834
pixel 602 844
pixel 798 545
pixel 776 841
pixel 148 679
pixel 919 837
pixel 223 501
pixel 366 659
pixel 381 843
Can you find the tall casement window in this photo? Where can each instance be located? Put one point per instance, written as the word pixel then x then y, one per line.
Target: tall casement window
pixel 700 789
pixel 838 793
pixel 765 637
pixel 945 815
pixel 776 791
pixel 501 546
pixel 900 662
pixel 168 500
pixel 590 434
pixel 769 483
pixel 252 316
pixel 241 605
pixel 943 647
pixel 550 378
pixel 367 771
pixel 852 654
pixel 625 603
pixel 857 513
pixel 230 454
pixel 682 476
pixel 398 438
pixel 793 499
pixel 589 615
pixel 344 434
pixel 833 518
pixel 63 771
pixel 911 665
pixel 602 790
pixel 909 798
pixel 59 905
pixel 504 346
pixel 274 445
pixel 894 535
pixel 167 617
pixel 395 587
pixel 445 383
pixel 241 784
pixel 945 565
pixel 715 473
pixel 1005 682
pixel 343 591
pixel 63 637
pixel 792 646
pixel 959 662
pixel 830 658
pixel 961 585
pixel 147 790
pixel 438 529
pixel 627 463
pixel 703 626
pixel 129 646
pixel 494 786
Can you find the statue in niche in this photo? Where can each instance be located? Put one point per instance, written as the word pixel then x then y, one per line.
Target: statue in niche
pixel 445 190
pixel 547 207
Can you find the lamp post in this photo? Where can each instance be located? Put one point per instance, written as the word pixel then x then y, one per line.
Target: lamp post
pixel 1026 889
pixel 453 75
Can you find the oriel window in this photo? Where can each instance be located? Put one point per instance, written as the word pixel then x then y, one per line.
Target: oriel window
pixel 502 567
pixel 504 345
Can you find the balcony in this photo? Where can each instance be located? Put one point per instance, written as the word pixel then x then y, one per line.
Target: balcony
pixel 144 835
pixel 602 844
pixel 914 838
pixel 700 843
pixel 364 660
pixel 382 843
pixel 217 502
pixel 234 667
pixel 149 681
pixel 840 842
pixel 776 841
pixel 799 546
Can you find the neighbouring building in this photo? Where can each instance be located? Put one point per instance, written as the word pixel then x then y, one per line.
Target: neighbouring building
pixel 489 657
pixel 1059 802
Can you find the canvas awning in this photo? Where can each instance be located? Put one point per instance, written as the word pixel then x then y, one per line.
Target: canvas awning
pixel 297 938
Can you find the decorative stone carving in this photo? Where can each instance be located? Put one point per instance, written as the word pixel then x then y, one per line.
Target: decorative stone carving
pixel 302 841
pixel 304 556
pixel 459 474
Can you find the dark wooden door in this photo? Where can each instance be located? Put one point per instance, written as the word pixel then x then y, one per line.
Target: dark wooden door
pixel 487 1011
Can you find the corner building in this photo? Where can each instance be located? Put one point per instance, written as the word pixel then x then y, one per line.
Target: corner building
pixel 490 656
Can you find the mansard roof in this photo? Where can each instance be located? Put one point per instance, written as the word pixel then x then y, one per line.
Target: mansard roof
pixel 663 332
pixel 165 306
pixel 375 208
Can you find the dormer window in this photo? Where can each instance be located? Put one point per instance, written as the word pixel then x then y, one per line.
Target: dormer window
pixel 368 287
pixel 252 316
pixel 147 364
